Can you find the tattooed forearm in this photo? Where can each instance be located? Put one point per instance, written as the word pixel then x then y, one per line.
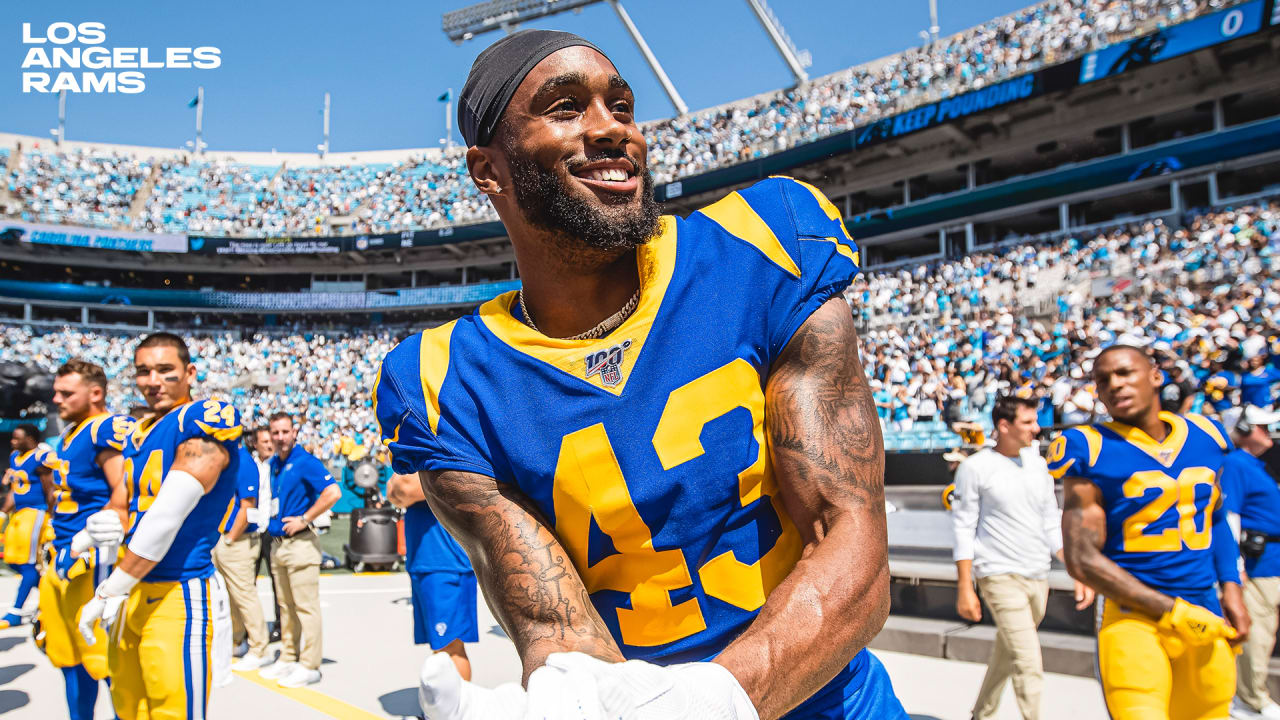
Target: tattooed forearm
pixel 1083 534
pixel 824 439
pixel 527 577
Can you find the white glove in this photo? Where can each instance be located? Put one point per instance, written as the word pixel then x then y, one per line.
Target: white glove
pixel 104 608
pixel 444 695
pixel 568 694
pixel 106 602
pixel 690 691
pixel 104 528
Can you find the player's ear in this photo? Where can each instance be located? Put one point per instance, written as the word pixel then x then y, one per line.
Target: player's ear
pixel 485 171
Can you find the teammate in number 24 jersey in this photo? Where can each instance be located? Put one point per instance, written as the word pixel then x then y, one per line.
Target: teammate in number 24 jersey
pixel 171 639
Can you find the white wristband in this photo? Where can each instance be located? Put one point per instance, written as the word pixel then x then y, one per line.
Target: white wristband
pixel 117 583
pixel 179 493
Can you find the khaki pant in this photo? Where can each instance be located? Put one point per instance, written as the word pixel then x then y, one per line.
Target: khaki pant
pixel 295 563
pixel 1017 606
pixel 1261 598
pixel 238 565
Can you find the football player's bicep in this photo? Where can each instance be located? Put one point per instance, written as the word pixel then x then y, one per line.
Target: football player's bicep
pixel 824 435
pixel 202 458
pixel 1084 519
pixel 112 464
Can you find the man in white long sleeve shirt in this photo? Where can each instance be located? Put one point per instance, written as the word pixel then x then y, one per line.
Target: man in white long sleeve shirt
pixel 1007 525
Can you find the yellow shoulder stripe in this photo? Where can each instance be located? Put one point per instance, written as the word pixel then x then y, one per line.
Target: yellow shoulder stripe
pixel 1058 473
pixel 220 434
pixel 433 364
pixel 740 220
pixel 1094 439
pixel 373 396
pixel 1208 427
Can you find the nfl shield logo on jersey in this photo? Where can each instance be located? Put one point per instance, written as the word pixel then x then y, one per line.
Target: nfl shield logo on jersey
pixel 608 363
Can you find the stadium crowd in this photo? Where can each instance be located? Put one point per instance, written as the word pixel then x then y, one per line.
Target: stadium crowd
pixel 320 379
pixel 940 340
pixel 223 197
pixel 946 338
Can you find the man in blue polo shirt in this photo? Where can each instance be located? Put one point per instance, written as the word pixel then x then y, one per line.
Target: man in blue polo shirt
pixel 302 489
pixel 443 585
pixel 1250 492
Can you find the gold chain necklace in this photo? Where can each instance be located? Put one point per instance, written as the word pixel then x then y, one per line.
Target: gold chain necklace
pixel 605 327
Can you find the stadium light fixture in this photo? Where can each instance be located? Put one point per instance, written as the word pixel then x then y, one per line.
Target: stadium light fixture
pixel 506 15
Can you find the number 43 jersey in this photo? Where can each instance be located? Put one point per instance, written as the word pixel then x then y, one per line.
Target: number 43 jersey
pixel 1160 497
pixel 645 450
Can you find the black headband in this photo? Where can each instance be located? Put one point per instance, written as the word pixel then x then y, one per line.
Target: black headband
pixel 496 74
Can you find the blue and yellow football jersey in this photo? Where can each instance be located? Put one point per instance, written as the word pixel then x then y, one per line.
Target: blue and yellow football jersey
pixel 150 452
pixel 646 449
pixel 82 488
pixel 1160 497
pixel 25 483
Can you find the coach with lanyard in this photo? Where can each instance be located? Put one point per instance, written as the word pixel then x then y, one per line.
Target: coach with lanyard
pixel 1250 494
pixel 302 489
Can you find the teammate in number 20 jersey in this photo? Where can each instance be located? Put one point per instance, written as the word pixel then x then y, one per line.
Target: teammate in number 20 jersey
pixel 645 449
pixel 1164 527
pixel 28 528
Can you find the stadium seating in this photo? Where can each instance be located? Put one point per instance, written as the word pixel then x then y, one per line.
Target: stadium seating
pixel 218 197
pixel 944 340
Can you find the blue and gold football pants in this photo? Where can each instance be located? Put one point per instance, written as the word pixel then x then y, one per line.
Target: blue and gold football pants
pixel 27 530
pixel 1150 674
pixel 165 653
pixel 59 614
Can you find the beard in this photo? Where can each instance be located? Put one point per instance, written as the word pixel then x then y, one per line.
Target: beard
pixel 548 202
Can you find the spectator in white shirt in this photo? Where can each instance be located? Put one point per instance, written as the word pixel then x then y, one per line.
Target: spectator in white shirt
pixel 1007 525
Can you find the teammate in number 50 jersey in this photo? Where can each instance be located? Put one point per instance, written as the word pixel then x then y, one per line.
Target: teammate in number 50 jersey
pixel 1143 525
pixel 171 640
pixel 30 483
pixel 89 487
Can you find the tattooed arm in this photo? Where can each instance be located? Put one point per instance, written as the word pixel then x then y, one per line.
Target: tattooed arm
pixel 824 440
pixel 202 458
pixel 1084 530
pixel 527 578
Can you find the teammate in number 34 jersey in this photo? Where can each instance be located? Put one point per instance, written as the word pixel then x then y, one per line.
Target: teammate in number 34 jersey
pixel 1143 525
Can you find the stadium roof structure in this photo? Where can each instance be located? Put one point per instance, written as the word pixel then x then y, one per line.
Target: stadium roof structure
pixel 506 15
pixel 467 22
